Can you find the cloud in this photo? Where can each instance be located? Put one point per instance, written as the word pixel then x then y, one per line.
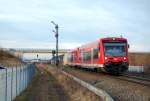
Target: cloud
pixel 28 21
pixel 37 45
pixel 139 48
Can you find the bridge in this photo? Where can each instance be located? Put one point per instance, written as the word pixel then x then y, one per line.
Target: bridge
pixel 19 52
pixel 38 50
pixel 36 60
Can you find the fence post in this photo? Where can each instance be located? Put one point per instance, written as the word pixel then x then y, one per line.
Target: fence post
pixel 28 71
pixel 23 77
pixel 6 86
pixel 11 83
pixel 26 75
pixel 16 82
pixel 20 80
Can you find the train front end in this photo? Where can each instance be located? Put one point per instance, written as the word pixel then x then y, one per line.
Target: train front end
pixel 115 55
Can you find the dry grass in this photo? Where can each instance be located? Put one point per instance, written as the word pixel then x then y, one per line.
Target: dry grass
pixel 74 90
pixel 139 58
pixel 8 59
pixel 49 84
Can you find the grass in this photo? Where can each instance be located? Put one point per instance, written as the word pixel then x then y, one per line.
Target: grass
pixel 139 59
pixel 8 59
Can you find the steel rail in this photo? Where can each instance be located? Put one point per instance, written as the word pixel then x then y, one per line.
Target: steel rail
pixel 135 79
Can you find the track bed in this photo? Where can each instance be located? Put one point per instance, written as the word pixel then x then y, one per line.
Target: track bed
pixel 120 90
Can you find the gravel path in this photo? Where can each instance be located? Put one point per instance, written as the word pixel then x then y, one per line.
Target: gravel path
pixel 48 89
pixel 119 89
pixel 49 84
pixel 44 87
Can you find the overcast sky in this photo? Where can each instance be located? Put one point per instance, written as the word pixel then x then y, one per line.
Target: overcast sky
pixel 26 23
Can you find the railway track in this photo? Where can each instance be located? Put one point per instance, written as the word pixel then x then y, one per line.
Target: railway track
pixel 129 78
pixel 104 95
pixel 135 79
pixel 123 87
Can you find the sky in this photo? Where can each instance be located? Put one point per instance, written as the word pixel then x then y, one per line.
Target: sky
pixel 27 23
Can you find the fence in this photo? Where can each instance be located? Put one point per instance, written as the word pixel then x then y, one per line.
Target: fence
pixel 138 69
pixel 14 80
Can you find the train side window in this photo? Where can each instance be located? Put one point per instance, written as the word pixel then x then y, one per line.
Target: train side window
pixel 71 58
pixel 81 56
pixel 86 56
pixel 95 53
pixel 99 46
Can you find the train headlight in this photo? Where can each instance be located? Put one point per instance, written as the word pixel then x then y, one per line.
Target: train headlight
pixel 106 58
pixel 124 58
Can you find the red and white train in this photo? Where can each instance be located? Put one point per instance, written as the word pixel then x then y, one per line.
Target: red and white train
pixel 109 54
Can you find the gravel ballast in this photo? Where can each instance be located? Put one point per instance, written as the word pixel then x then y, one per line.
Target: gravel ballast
pixel 120 90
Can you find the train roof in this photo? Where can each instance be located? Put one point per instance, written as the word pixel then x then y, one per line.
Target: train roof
pixel 95 43
pixel 113 38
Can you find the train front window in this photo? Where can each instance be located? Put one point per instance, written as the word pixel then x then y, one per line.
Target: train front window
pixel 115 49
